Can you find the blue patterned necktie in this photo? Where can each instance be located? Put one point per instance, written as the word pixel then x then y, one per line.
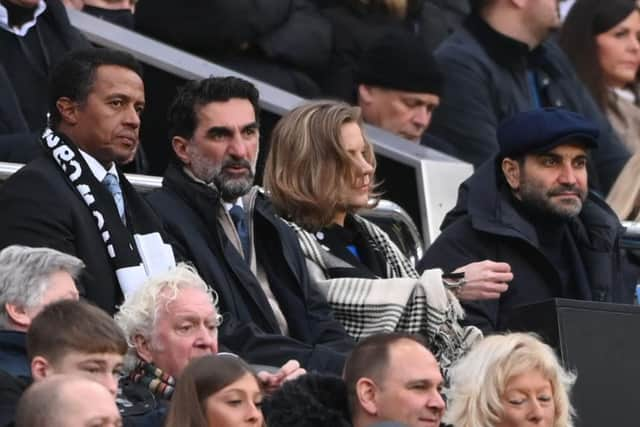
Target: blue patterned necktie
pixel 239 220
pixel 111 182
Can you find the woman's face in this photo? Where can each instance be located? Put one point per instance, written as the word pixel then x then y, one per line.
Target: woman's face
pixel 619 51
pixel 528 401
pixel 357 196
pixel 238 404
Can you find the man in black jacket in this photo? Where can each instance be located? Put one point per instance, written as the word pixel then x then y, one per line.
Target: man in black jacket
pixel 530 207
pixel 231 233
pixel 34 35
pixel 73 197
pixel 503 61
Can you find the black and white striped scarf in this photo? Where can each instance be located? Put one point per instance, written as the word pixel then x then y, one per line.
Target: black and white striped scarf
pixel 117 238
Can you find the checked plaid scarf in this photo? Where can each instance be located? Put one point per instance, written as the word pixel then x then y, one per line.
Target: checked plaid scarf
pixel 406 301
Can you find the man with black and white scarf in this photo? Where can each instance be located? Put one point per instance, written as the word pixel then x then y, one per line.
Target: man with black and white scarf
pixel 73 198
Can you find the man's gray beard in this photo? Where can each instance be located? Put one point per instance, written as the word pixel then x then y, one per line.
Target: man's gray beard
pixel 541 205
pixel 232 188
pixel 229 188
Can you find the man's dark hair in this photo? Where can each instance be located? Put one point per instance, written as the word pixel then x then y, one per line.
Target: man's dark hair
pixel 370 359
pixel 69 325
pixel 73 77
pixel 195 94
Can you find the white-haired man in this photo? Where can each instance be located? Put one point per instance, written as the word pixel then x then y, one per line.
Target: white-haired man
pixel 170 320
pixel 30 279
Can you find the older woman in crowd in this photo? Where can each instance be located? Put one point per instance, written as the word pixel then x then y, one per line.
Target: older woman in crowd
pixel 217 391
pixel 511 380
pixel 319 173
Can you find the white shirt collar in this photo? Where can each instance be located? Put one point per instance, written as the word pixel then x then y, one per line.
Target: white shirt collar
pixel 97 169
pixel 228 206
pixel 24 29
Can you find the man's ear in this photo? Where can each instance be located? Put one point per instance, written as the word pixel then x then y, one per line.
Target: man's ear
pixel 364 94
pixel 68 110
pixel 18 315
pixel 179 145
pixel 143 348
pixel 511 171
pixel 366 391
pixel 40 368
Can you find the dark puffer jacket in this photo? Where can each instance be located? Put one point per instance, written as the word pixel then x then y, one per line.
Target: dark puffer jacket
pixel 486 225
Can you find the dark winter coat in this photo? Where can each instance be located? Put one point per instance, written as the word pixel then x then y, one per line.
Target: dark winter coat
pixel 311 400
pixel 42 208
pixel 15 373
pixel 356 25
pixel 13 354
pixel 11 389
pixel 486 82
pixel 249 329
pixel 276 41
pixel 24 77
pixel 486 225
pixel 139 407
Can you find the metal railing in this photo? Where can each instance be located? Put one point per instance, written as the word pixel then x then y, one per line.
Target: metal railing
pixel 142 183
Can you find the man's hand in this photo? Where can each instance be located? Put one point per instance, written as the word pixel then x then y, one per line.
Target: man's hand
pixel 289 371
pixel 484 280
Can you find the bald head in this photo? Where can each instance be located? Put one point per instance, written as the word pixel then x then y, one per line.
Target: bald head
pixel 67 401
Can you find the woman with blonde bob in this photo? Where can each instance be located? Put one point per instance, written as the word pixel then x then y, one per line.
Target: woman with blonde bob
pixel 511 380
pixel 319 174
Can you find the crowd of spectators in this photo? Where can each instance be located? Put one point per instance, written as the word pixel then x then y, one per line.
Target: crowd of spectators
pixel 206 301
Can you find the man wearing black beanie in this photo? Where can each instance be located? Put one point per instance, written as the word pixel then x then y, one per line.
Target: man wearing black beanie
pixel 399 84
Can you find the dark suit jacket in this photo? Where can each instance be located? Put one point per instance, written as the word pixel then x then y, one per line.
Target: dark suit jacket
pixel 40 208
pixel 249 327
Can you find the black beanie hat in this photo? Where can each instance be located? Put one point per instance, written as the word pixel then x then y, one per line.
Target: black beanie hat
pixel 399 60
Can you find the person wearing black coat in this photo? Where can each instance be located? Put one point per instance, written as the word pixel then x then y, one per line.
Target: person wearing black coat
pixel 550 257
pixel 492 73
pixel 285 43
pixel 26 59
pixel 357 25
pixel 279 42
pixel 250 329
pixel 271 311
pixel 61 199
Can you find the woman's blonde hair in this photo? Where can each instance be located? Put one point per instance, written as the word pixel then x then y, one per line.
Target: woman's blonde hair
pixel 307 169
pixel 478 380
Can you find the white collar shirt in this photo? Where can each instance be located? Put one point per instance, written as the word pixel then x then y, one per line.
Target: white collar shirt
pixel 97 169
pixel 25 27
